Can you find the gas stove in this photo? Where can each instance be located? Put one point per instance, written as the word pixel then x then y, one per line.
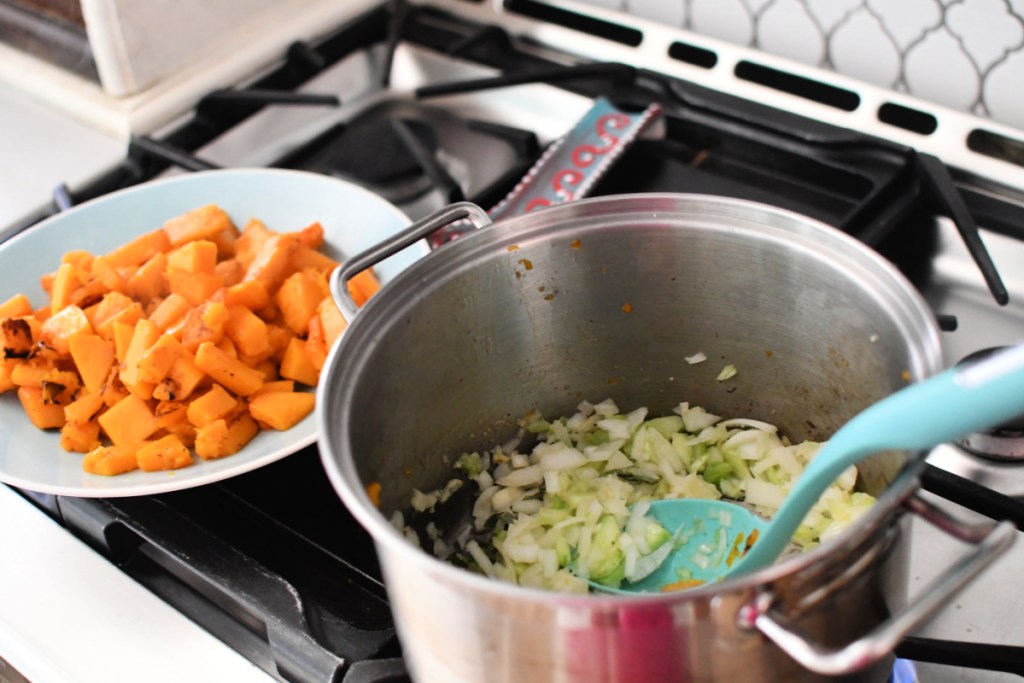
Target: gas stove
pixel 426 104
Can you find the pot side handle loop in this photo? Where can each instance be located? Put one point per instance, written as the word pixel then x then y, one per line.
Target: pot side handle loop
pixel 396 243
pixel 990 540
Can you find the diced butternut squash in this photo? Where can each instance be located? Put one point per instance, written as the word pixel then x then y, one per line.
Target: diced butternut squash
pixel 30 373
pixel 311 236
pixel 199 256
pixel 104 272
pixel 84 408
pixel 15 307
pixel 204 323
pixel 309 259
pixel 129 421
pixel 249 293
pixel 221 438
pixel 251 241
pixel 122 338
pixel 80 437
pixel 59 386
pixel 110 460
pixel 332 322
pixel 204 223
pixel 171 310
pixel 196 287
pixel 64 283
pixel 112 390
pixel 169 413
pixel 18 337
pixel 247 331
pixel 186 340
pixel 316 345
pixel 275 385
pixel 157 361
pixel 215 404
pixel 148 282
pixel 273 262
pixel 182 379
pixel 145 336
pixel 297 364
pixel 297 298
pixel 130 315
pixel 232 373
pixel 166 453
pixel 362 286
pixel 6 368
pixel 140 249
pixel 42 413
pixel 59 329
pixel 225 242
pixel 281 409
pixel 229 272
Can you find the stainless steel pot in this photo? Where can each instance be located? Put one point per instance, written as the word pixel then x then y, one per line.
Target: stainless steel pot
pixel 605 297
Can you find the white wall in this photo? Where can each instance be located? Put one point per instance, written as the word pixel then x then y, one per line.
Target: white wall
pixel 965 54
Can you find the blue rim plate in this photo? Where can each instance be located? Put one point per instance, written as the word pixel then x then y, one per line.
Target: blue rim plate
pixel 353 218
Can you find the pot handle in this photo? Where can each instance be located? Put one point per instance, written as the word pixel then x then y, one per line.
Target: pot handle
pixel 396 243
pixel 990 540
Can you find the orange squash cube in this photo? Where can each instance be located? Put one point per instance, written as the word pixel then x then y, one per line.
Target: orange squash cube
pixel 247 331
pixel 296 364
pixel 42 413
pixel 281 410
pixel 204 323
pixel 129 421
pixel 110 460
pixel 213 405
pixel 93 356
pixel 15 307
pixel 221 438
pixel 80 437
pixel 232 373
pixel 199 256
pixel 182 379
pixel 156 361
pixel 64 324
pixel 84 408
pixel 166 453
pixel 139 250
pixel 203 223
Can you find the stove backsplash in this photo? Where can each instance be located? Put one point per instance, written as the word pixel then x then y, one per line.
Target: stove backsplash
pixel 967 55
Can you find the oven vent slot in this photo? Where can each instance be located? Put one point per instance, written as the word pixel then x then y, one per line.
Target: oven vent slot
pixel 807 88
pixel 600 28
pixel 913 120
pixel 996 146
pixel 693 55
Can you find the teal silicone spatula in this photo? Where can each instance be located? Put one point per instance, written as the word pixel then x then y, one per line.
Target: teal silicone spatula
pixel 964 399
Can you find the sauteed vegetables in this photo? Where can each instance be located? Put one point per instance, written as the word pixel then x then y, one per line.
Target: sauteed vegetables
pixel 571 508
pixel 188 339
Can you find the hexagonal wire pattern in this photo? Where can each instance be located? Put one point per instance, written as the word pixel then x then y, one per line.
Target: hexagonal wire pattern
pixel 964 54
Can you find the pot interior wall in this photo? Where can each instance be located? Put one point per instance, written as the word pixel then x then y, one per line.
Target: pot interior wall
pixel 553 308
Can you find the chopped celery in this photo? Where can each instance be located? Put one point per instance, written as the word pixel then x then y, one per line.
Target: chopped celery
pixel 715 472
pixel 564 511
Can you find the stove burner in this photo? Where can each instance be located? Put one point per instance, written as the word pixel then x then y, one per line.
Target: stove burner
pixel 403 150
pixel 369 149
pixel 1004 442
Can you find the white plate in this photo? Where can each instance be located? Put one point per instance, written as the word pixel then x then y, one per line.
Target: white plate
pixel 353 220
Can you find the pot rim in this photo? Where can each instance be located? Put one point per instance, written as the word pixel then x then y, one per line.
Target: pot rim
pixel 410 283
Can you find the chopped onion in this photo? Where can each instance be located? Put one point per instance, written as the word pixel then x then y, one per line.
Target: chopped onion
pixel 526 476
pixel 576 506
